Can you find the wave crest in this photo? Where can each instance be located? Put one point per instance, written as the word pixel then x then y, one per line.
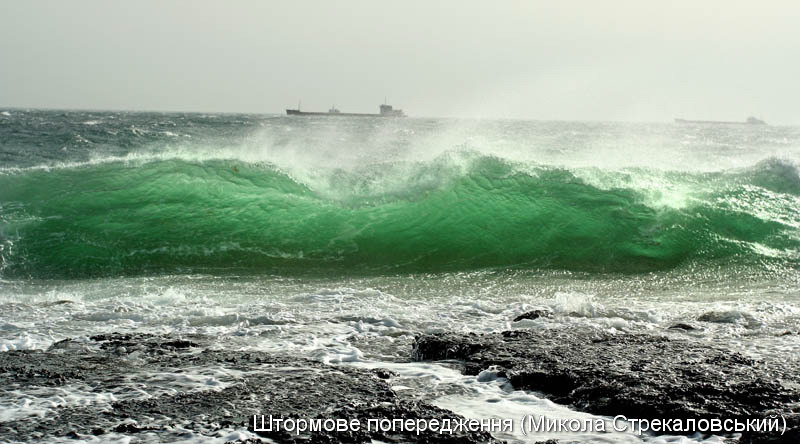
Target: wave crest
pixel 452 213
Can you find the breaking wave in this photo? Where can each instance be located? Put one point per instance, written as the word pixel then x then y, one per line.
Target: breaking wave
pixel 178 215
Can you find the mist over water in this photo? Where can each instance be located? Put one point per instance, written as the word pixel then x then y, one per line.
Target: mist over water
pixel 341 239
pixel 161 193
pixel 163 275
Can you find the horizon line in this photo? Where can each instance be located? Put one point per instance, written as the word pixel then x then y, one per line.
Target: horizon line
pixel 264 113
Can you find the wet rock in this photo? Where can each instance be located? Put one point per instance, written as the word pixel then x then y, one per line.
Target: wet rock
pixel 35 368
pixel 59 302
pixel 730 317
pixel 383 373
pixel 682 326
pixel 637 375
pixel 790 436
pixel 534 314
pixel 238 385
pixel 141 341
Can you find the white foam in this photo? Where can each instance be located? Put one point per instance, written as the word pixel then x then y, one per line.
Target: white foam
pixel 182 436
pixel 24 341
pixel 371 322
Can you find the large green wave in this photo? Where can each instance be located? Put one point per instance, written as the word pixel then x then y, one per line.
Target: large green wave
pixel 166 216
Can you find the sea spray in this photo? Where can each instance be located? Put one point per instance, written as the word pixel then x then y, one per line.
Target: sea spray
pixel 468 212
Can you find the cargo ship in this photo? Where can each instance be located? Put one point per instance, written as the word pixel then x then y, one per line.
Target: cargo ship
pixel 385 111
pixel 749 121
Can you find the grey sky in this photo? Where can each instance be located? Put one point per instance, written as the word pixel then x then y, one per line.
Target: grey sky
pixel 595 60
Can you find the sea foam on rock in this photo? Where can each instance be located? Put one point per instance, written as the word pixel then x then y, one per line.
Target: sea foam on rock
pixel 637 375
pixel 255 383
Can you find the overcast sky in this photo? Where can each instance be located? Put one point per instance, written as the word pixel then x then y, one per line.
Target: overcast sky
pixel 635 60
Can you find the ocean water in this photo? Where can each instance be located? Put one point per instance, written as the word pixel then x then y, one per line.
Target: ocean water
pixel 340 239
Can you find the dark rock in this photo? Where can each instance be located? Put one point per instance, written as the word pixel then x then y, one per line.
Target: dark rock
pixel 729 317
pixel 178 343
pixel 59 302
pixel 637 375
pixel 534 314
pixel 383 373
pixel 791 436
pixel 260 384
pixel 141 341
pixel 682 326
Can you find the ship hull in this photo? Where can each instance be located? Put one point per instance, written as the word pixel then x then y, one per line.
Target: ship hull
pixel 720 122
pixel 295 112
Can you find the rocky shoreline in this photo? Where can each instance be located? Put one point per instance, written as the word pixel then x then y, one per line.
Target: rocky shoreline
pixel 262 384
pixel 643 376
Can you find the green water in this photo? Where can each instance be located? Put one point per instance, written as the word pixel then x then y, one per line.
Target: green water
pixel 118 218
pixel 341 240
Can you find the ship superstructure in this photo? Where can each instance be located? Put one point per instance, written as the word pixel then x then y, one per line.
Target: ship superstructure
pixel 385 111
pixel 750 121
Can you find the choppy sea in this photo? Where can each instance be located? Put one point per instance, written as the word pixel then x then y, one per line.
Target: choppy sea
pixel 340 239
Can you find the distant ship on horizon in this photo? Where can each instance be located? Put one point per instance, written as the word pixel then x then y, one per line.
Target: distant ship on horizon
pixel 385 111
pixel 750 121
